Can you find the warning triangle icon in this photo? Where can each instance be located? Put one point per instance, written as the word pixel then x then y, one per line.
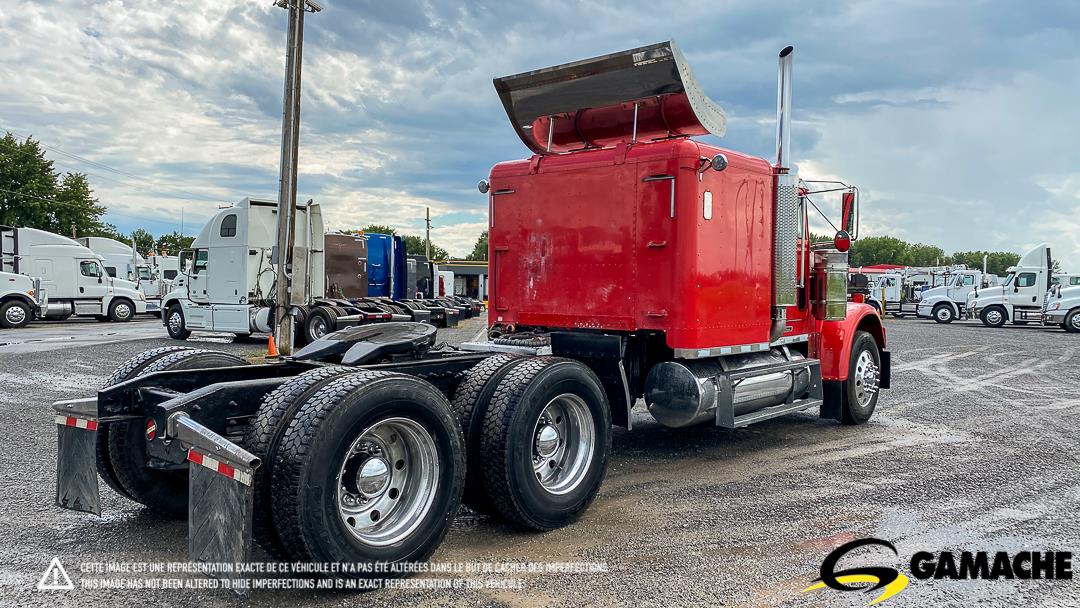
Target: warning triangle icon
pixel 55 578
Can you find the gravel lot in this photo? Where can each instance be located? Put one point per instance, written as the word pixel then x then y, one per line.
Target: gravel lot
pixel 974 448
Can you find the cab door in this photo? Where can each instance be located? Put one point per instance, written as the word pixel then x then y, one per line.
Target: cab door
pixel 1026 289
pixel 91 280
pixel 199 276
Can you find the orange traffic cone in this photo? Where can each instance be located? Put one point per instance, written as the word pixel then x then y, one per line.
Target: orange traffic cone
pixel 271 349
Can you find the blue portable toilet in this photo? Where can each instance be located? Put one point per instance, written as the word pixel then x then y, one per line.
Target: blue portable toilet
pixel 386 266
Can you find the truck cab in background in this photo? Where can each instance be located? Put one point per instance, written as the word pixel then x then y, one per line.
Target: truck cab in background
pixel 1020 297
pixel 21 300
pixel 1062 307
pixel 72 276
pixel 948 302
pixel 1065 279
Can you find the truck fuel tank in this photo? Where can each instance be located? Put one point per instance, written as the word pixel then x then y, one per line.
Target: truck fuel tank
pixel 682 393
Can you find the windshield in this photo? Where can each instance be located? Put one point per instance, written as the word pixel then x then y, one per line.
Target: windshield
pixel 1009 279
pixel 144 272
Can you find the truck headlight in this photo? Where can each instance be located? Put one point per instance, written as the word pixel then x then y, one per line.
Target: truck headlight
pixel 1054 306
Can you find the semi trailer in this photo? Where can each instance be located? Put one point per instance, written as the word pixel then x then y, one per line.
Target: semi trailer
pixel 1020 297
pixel 72 276
pixel 628 262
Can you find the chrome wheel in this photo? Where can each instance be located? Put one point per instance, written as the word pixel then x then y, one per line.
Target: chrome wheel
pixel 176 322
pixel 993 317
pixel 865 378
pixel 387 481
pixel 944 314
pixel 1075 322
pixel 15 315
pixel 564 439
pixel 123 311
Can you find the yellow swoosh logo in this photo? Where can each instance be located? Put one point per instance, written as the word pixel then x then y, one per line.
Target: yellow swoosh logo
pixel 889 590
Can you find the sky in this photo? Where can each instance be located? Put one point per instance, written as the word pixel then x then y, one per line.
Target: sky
pixel 958 121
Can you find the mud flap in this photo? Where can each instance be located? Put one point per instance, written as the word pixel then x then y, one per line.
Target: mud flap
pixel 76 456
pixel 220 506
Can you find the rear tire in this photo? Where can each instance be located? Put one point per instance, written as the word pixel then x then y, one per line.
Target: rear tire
pixel 164 492
pixel 545 442
pixel 15 314
pixel 863 380
pixel 263 438
pixel 943 313
pixel 320 321
pixel 401 428
pixel 993 316
pixel 130 369
pixel 175 323
pixel 470 402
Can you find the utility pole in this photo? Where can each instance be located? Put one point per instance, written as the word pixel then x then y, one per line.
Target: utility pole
pixel 290 139
pixel 427 238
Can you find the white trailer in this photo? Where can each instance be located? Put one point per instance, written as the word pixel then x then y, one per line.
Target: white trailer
pixel 948 302
pixel 72 276
pixel 1020 297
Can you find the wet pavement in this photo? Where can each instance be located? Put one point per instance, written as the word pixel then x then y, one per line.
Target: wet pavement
pixel 974 448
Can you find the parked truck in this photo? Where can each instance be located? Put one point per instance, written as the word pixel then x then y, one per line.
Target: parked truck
pixel 948 302
pixel 229 277
pixel 1020 297
pixel 21 300
pixel 72 276
pixel 1062 307
pixel 646 264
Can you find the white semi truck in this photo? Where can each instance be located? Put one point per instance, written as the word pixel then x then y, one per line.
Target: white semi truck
pixel 121 259
pixel 227 280
pixel 21 299
pixel 1062 307
pixel 1020 297
pixel 948 302
pixel 72 276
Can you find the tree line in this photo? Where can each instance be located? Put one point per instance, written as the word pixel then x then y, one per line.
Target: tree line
pixel 873 250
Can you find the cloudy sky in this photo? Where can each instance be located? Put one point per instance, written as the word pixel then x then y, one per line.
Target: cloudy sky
pixel 958 120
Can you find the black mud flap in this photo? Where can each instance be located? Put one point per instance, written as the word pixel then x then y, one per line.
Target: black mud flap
pixel 885 375
pixel 220 506
pixel 76 455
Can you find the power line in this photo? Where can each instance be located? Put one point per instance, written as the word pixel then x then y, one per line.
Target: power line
pixel 118 215
pixel 105 167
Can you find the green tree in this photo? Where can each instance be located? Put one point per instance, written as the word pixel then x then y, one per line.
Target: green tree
pixel 872 250
pixel 1055 267
pixel 480 249
pixel 144 241
pixel 377 229
pixel 172 243
pixel 414 245
pixel 996 261
pixel 926 255
pixel 34 195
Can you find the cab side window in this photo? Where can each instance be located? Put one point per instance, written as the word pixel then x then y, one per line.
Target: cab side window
pixel 201 258
pixel 1026 279
pixel 89 269
pixel 969 279
pixel 1074 280
pixel 169 275
pixel 228 226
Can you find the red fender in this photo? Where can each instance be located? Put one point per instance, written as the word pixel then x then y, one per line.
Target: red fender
pixel 837 336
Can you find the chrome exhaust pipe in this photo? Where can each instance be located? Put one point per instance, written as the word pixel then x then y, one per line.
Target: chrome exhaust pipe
pixel 783 109
pixel 786 219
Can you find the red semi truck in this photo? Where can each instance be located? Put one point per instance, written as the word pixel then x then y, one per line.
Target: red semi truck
pixel 628 262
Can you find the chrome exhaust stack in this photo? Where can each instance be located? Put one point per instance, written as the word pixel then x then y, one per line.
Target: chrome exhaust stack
pixel 786 218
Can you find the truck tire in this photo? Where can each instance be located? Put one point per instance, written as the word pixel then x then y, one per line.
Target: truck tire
pixel 320 321
pixel 943 313
pixel 544 443
pixel 164 492
pixel 175 324
pixel 263 437
pixel 392 443
pixel 131 368
pixel 15 314
pixel 1072 321
pixel 863 378
pixel 121 310
pixel 993 316
pixel 470 400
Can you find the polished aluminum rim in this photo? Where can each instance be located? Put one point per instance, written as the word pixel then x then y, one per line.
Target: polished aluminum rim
pixel 993 317
pixel 176 322
pixel 387 481
pixel 944 314
pixel 15 315
pixel 123 311
pixel 1076 321
pixel 564 439
pixel 866 378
